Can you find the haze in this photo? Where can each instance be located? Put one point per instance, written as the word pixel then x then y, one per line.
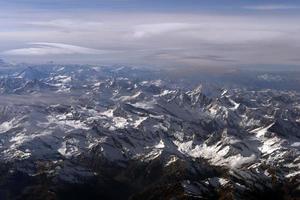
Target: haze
pixel 191 33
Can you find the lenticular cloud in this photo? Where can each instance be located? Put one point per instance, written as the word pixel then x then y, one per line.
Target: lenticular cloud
pixel 45 48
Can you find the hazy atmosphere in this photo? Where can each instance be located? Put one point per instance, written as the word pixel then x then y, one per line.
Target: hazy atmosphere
pixel 190 33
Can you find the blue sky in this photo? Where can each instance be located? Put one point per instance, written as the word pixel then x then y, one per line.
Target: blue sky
pixel 142 5
pixel 177 33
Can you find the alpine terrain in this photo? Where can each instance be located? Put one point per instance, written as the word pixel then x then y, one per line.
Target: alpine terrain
pixel 112 132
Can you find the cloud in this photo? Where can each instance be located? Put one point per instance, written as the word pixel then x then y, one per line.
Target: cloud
pixel 147 30
pixel 44 48
pixel 153 39
pixel 272 7
pixel 67 24
pixel 215 30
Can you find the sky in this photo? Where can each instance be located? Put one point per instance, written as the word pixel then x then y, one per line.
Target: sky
pixel 157 33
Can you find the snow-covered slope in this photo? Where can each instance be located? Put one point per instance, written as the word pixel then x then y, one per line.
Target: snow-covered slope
pixel 72 128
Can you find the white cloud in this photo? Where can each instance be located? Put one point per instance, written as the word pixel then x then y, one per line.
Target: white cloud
pixel 154 39
pixel 147 30
pixel 68 24
pixel 44 48
pixel 272 7
pixel 215 30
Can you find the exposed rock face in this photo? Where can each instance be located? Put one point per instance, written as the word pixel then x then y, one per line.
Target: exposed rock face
pixel 80 132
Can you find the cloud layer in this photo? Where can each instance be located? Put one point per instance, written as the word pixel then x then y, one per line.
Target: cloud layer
pixel 271 7
pixel 44 48
pixel 162 39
